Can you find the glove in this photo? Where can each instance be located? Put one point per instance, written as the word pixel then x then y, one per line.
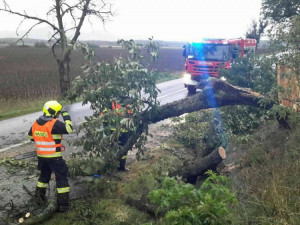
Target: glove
pixel 64 112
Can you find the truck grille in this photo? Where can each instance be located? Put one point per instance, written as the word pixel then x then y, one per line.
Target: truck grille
pixel 205 68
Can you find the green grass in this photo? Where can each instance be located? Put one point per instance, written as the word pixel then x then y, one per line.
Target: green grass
pixel 168 76
pixel 14 108
pixel 104 211
pixel 267 183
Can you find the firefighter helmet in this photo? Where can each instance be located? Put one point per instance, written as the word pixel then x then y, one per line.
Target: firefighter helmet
pixel 52 108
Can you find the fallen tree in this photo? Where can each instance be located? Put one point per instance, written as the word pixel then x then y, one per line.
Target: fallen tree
pixel 129 83
pixel 221 94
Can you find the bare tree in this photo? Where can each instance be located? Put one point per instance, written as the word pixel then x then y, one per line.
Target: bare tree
pixel 70 16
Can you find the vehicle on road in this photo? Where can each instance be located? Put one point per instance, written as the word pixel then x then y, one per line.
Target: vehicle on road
pixel 205 59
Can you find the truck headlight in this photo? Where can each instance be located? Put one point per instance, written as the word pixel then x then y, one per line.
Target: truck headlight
pixel 187 76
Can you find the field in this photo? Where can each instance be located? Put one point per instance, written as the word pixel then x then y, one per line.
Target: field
pixel 30 73
pixel 29 76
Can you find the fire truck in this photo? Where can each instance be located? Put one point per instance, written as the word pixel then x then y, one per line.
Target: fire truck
pixel 205 59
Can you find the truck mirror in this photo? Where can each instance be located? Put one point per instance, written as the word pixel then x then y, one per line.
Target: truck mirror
pixel 184 52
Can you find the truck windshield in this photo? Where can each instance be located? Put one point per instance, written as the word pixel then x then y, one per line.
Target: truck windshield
pixel 209 52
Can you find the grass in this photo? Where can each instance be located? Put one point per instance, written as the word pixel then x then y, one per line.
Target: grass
pixel 267 184
pixel 14 108
pixel 168 76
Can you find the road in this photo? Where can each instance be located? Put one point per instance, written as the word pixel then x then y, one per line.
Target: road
pixel 13 132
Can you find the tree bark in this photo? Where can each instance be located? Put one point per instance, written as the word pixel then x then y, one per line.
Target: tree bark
pixel 48 212
pixel 215 93
pixel 200 166
pixel 64 75
pixel 142 206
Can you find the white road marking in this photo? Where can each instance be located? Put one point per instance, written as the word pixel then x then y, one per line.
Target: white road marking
pixel 28 141
pixel 14 146
pixel 171 93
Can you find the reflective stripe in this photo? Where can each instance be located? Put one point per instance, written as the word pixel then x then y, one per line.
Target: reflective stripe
pixel 124 157
pixel 63 190
pixel 46 149
pixel 42 185
pixel 30 137
pixel 68 126
pixel 56 154
pixel 45 143
pixel 65 114
pixel 56 136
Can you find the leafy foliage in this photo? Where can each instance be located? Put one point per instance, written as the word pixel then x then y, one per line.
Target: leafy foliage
pixel 127 82
pixel 242 120
pixel 257 73
pixel 199 130
pixel 280 10
pixel 185 204
pixel 285 30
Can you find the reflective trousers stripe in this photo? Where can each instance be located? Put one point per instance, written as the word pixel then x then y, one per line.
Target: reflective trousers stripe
pixel 42 185
pixel 124 157
pixel 63 190
pixel 56 154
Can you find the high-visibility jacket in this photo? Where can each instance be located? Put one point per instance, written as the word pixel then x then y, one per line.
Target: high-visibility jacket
pixel 116 106
pixel 44 140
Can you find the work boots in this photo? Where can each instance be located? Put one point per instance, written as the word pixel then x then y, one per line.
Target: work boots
pixel 40 194
pixel 62 202
pixel 122 166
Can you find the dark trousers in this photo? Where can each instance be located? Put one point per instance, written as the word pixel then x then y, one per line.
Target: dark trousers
pixel 59 167
pixel 123 140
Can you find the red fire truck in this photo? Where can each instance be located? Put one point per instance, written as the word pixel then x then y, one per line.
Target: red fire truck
pixel 204 59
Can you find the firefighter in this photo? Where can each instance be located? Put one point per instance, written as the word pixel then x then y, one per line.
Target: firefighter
pixel 124 132
pixel 47 132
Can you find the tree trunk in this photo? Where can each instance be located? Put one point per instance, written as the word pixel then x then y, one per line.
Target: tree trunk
pixel 64 75
pixel 142 206
pixel 200 166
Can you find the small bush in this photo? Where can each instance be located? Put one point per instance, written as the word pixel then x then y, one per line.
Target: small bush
pixel 185 204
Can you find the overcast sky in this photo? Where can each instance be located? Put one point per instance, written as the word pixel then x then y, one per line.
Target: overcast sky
pixel 173 20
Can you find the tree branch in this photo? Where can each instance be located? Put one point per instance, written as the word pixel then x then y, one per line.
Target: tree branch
pixel 25 15
pixel 83 15
pixel 28 31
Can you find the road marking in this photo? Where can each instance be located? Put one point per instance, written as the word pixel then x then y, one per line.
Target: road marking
pixel 171 93
pixel 14 146
pixel 28 141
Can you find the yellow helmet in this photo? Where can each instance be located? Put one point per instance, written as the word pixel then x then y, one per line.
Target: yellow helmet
pixel 51 108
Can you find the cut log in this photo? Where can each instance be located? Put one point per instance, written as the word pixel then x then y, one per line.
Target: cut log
pixel 142 206
pixel 47 212
pixel 200 166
